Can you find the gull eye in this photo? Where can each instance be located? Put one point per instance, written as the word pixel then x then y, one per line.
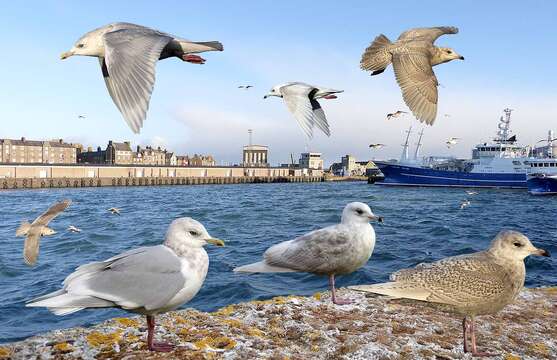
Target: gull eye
pixel 517 244
pixel 194 233
pixel 80 45
pixel 359 211
pixel 449 52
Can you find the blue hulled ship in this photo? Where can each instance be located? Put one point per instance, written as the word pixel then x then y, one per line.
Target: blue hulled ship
pixel 501 163
pixel 542 174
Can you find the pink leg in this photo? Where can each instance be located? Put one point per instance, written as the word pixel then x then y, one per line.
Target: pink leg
pixel 465 328
pixel 194 59
pixel 334 294
pixel 154 346
pixel 475 351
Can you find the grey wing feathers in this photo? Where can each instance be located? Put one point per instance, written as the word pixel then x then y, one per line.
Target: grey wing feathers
pixel 51 213
pixel 428 34
pixel 418 83
pixel 307 111
pixel 130 58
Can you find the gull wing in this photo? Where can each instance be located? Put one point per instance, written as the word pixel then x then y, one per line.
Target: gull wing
pixel 31 245
pixel 51 213
pixel 129 70
pixel 427 34
pixel 307 111
pixel 417 81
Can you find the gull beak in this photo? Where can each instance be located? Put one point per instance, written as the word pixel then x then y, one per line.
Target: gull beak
pixel 461 57
pixel 66 55
pixel 375 217
pixel 217 242
pixel 542 252
pixel 266 96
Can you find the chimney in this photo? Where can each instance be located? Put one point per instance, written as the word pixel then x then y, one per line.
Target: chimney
pixel 109 142
pixel 89 149
pixel 22 138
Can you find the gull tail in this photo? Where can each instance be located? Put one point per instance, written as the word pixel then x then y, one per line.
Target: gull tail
pixel 377 57
pixel 62 303
pixel 191 47
pixel 396 290
pixel 261 267
pixel 23 229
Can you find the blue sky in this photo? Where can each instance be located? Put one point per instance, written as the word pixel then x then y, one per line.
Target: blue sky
pixel 509 48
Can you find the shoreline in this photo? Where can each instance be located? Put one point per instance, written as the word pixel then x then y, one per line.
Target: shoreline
pixel 302 327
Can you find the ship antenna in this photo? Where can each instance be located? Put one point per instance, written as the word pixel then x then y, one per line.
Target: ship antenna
pixel 404 155
pixel 418 145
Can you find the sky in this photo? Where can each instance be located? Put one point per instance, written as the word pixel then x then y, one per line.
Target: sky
pixel 509 47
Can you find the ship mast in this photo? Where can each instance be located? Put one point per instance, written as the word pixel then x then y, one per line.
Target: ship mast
pixel 404 156
pixel 418 145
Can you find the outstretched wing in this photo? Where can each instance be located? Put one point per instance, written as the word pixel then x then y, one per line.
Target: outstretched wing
pixel 300 100
pixel 31 245
pixel 417 81
pixel 129 70
pixel 427 34
pixel 51 213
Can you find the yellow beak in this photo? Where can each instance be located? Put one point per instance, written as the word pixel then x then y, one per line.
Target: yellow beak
pixel 217 242
pixel 65 55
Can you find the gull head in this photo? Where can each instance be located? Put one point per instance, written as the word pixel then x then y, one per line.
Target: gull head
pixel 90 44
pixel 189 233
pixel 514 245
pixel 275 91
pixel 357 212
pixel 443 55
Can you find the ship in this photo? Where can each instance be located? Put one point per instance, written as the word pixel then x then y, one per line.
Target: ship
pixel 542 174
pixel 499 163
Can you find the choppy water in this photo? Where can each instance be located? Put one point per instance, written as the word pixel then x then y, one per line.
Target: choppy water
pixel 420 225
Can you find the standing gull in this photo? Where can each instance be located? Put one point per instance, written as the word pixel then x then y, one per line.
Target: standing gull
pixel 127 54
pixel 301 100
pixel 335 250
pixel 148 280
pixel 38 228
pixel 474 284
pixel 413 56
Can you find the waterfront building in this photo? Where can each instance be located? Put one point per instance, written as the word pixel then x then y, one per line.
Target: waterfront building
pixel 255 156
pixel 115 153
pixel 170 159
pixel 149 156
pixel 25 151
pixel 202 160
pixel 311 160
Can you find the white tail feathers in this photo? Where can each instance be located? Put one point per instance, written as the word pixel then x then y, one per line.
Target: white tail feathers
pixel 396 290
pixel 191 47
pixel 23 229
pixel 63 303
pixel 261 267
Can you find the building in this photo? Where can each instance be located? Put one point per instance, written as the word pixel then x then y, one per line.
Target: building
pixel 170 159
pixel 115 153
pixel 25 151
pixel 182 160
pixel 350 167
pixel 149 156
pixel 92 157
pixel 202 160
pixel 311 160
pixel 255 156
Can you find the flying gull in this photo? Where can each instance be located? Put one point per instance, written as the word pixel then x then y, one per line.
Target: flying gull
pixel 395 114
pixel 471 193
pixel 451 141
pixel 464 204
pixel 412 56
pixel 74 229
pixel 114 211
pixel 245 86
pixel 470 285
pixel 301 100
pixel 376 146
pixel 335 250
pixel 148 280
pixel 81 116
pixel 38 228
pixel 127 55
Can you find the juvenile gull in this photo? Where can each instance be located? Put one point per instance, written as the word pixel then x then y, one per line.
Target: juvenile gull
pixel 147 280
pixel 114 211
pixel 474 284
pixel 413 56
pixel 452 141
pixel 301 100
pixel 38 228
pixel 127 55
pixel 376 146
pixel 335 250
pixel 395 114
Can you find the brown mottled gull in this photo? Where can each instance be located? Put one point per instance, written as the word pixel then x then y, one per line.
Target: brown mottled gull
pixel 413 56
pixel 335 250
pixel 37 229
pixel 474 284
pixel 127 54
pixel 148 280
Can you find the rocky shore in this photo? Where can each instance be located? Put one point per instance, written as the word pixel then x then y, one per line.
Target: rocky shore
pixel 296 327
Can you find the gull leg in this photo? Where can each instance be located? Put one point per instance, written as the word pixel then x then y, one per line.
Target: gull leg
pixel 155 346
pixel 465 331
pixel 475 351
pixel 333 292
pixel 194 59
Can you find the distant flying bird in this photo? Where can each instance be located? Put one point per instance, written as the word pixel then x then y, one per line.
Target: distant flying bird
pixel 301 100
pixel 451 141
pixel 412 56
pixel 464 204
pixel 114 211
pixel 245 86
pixel 447 115
pixel 471 193
pixel 38 228
pixel 127 55
pixel 395 114
pixel 73 229
pixel 81 116
pixel 376 146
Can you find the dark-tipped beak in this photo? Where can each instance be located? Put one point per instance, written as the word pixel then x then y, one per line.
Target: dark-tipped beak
pixel 375 217
pixel 266 96
pixel 65 55
pixel 217 242
pixel 461 58
pixel 542 252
